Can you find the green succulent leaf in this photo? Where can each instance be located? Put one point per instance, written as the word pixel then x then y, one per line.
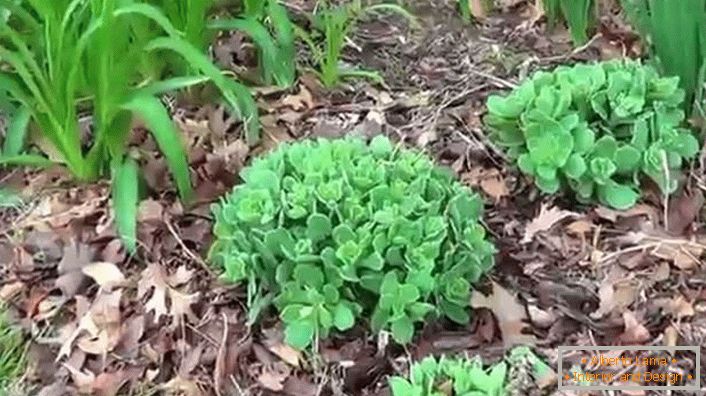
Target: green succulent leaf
pixel 618 196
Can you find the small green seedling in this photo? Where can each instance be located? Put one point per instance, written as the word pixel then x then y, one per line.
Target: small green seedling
pixel 467 377
pixel 332 25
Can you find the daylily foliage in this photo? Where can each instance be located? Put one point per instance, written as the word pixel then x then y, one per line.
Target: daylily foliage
pixel 598 128
pixel 337 230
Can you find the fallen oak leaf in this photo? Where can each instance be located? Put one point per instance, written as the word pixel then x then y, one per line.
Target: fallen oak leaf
pixel 106 275
pixel 155 278
pixel 302 100
pixel 511 315
pixel 545 220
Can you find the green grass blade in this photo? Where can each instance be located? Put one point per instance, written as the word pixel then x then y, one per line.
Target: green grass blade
pixel 152 13
pixel 125 197
pixel 262 38
pixel 465 8
pixel 236 95
pixel 286 57
pixel 157 119
pixel 22 14
pixel 579 16
pixel 552 9
pixel 32 160
pixel 16 132
pixel 172 84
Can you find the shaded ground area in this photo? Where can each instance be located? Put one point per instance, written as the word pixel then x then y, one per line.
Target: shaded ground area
pixel 160 321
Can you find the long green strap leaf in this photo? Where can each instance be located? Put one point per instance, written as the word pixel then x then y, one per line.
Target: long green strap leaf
pixel 157 119
pixel 170 85
pixel 236 95
pixel 16 132
pixel 32 160
pixel 261 36
pixel 152 13
pixel 125 197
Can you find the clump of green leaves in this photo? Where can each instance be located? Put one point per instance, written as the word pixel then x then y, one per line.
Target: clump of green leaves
pixel 59 58
pixel 331 26
pixel 333 231
pixel 12 352
pixel 660 22
pixel 467 376
pixel 432 377
pixel 598 128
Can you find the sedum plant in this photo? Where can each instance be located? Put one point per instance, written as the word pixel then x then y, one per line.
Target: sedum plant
pixel 599 129
pixel 445 376
pixel 334 231
pixel 467 377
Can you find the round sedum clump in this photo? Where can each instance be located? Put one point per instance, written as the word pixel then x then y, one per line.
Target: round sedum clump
pixel 599 129
pixel 335 231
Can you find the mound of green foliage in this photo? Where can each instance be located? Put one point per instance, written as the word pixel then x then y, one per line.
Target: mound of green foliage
pixel 597 128
pixel 336 230
pixel 467 377
pixel 432 377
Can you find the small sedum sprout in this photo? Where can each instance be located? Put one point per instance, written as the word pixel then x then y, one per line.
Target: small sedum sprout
pixel 598 128
pixel 451 376
pixel 339 230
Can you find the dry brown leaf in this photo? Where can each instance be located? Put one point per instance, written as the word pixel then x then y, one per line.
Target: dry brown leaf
pixel 181 305
pixel 635 332
pixel 509 312
pixel 150 211
pixel 155 278
pixel 684 210
pixel 103 315
pixel 109 383
pixel 273 377
pixel 638 210
pixel 71 278
pixel 614 297
pixel 82 379
pixel 288 354
pixel 106 275
pixel 300 101
pixel 678 307
pixel 495 187
pixel 671 336
pixel 10 290
pixel 545 220
pixel 579 227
